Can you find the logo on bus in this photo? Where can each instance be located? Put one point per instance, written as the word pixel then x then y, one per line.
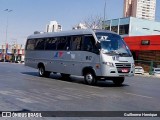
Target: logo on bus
pixel 58 54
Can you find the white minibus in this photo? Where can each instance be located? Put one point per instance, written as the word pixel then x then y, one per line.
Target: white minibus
pixel 94 54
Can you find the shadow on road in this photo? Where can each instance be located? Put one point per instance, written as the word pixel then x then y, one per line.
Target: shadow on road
pixel 30 73
pixel 76 79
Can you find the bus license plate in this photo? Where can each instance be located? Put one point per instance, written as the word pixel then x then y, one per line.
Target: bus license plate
pixel 124 70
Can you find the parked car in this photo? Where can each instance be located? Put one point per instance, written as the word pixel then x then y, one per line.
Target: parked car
pixel 2 60
pixel 139 70
pixel 156 72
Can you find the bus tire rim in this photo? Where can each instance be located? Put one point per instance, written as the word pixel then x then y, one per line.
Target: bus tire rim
pixel 89 78
pixel 41 71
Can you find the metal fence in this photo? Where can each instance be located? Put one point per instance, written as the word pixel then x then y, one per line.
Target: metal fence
pixel 148 65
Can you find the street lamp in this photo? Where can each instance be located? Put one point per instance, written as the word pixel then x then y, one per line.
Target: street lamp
pixel 104 17
pixel 8 11
pixel 104 11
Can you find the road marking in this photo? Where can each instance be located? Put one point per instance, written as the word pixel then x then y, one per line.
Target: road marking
pixel 74 95
pixel 35 96
pixel 61 97
pixel 138 95
pixel 96 87
pixel 26 100
pixel 5 92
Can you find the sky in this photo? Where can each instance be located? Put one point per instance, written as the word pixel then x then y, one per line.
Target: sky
pixel 33 15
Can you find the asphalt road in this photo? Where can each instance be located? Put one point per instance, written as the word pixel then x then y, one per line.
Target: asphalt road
pixel 22 90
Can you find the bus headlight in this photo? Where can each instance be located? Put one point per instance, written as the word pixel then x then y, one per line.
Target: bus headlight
pixel 110 64
pixel 133 65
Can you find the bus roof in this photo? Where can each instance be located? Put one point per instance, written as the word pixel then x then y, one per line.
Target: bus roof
pixel 68 33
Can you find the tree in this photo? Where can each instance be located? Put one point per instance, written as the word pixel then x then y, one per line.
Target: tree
pixel 93 22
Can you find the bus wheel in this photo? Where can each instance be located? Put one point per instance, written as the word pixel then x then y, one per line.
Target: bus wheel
pixel 90 78
pixel 42 72
pixel 118 81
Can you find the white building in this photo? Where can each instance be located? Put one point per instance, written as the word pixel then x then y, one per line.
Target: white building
pixel 80 26
pixel 53 27
pixel 144 9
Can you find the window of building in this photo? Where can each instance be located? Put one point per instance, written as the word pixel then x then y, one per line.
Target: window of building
pixel 53 28
pixel 114 29
pixel 59 27
pixel 107 27
pixel 124 29
pixel 47 28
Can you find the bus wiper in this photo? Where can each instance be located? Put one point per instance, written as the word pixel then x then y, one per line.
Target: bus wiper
pixel 114 52
pixel 117 53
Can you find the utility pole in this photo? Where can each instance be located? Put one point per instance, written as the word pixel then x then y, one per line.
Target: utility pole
pixel 105 11
pixel 6 44
pixel 104 17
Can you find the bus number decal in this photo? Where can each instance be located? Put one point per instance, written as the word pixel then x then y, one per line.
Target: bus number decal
pixel 88 57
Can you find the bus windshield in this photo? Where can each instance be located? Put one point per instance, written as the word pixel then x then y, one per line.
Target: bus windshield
pixel 112 44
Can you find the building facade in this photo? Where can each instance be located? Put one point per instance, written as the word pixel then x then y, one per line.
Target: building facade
pixel 145 50
pixel 54 26
pixel 143 38
pixel 127 9
pixel 131 26
pixel 144 9
pixel 12 53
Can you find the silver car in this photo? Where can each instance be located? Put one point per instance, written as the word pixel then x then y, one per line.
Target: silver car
pixel 156 72
pixel 139 70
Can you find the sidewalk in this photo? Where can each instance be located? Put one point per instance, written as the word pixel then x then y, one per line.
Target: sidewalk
pixel 147 75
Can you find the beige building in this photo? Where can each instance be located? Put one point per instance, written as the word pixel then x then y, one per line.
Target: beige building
pixel 54 26
pixel 144 9
pixel 127 10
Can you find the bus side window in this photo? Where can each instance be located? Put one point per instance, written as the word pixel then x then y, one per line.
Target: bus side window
pixel 51 44
pixel 67 46
pixel 88 43
pixel 76 42
pixel 62 43
pixel 39 44
pixel 30 44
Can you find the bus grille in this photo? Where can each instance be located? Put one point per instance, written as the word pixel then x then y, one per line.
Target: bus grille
pixel 123 67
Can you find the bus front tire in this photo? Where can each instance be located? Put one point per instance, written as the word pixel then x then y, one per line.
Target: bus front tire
pixel 118 81
pixel 42 72
pixel 90 78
